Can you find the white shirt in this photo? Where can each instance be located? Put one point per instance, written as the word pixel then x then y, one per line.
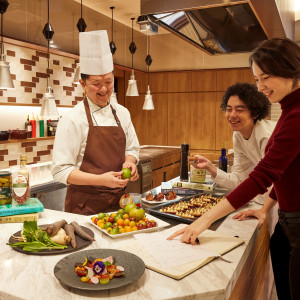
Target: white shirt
pixel 247 154
pixel 71 136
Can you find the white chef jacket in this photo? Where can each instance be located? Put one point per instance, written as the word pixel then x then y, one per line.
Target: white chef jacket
pixel 71 136
pixel 247 154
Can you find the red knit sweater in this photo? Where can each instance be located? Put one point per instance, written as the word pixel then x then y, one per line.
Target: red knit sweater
pixel 280 165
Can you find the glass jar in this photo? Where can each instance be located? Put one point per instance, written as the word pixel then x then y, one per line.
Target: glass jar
pixel 5 187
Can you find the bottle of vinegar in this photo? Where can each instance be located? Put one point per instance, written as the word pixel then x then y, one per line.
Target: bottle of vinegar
pixel 28 127
pixel 223 159
pixel 20 182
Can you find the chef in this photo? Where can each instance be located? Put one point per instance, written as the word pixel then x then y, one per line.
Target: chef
pixel 96 139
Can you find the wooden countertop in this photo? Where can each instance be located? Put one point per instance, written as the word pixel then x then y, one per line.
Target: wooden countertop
pixel 153 152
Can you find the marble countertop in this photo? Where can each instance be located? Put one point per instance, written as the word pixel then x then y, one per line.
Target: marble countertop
pixel 31 276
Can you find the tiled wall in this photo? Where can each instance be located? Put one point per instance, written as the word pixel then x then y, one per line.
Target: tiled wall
pixel 29 72
pixel 36 151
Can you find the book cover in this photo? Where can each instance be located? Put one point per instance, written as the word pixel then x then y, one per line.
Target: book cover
pixel 181 191
pixel 208 186
pixel 32 205
pixel 212 240
pixel 19 218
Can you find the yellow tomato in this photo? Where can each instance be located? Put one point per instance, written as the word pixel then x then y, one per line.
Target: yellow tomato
pixel 99 222
pixel 134 228
pixel 108 230
pixel 121 230
pixel 125 216
pixel 102 226
pixel 132 224
pixel 113 215
pixel 93 219
pixel 126 222
pixel 128 229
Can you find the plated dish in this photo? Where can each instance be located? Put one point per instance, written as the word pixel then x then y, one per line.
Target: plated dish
pixel 159 223
pixel 64 269
pixel 81 243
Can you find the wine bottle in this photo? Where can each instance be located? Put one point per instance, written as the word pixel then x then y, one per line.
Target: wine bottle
pixel 20 182
pixel 223 159
pixel 28 127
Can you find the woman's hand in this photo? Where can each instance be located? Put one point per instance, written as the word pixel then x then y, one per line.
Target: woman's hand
pixel 190 233
pixel 260 214
pixel 133 168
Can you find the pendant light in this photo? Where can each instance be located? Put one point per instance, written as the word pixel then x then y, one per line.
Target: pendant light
pixel 148 103
pixel 132 89
pixel 48 110
pixel 6 82
pixel 81 26
pixel 112 45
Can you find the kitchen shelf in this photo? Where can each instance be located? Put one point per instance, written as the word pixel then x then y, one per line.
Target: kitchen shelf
pixel 27 140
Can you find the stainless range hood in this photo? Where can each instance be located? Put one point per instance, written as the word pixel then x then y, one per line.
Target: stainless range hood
pixel 221 26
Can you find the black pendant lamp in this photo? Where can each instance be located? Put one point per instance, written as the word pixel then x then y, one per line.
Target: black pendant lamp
pixel 132 89
pixel 48 110
pixel 112 45
pixel 81 26
pixel 6 82
pixel 148 103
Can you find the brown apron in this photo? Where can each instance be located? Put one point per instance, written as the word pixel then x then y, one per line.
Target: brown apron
pixel 105 151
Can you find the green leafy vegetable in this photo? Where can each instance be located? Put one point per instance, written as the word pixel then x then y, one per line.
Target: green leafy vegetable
pixel 35 239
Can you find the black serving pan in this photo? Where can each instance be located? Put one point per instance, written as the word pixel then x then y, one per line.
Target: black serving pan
pixel 155 209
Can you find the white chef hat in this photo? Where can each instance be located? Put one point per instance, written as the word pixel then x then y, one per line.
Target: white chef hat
pixel 95 54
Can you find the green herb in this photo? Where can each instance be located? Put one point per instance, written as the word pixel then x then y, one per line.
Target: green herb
pixel 35 239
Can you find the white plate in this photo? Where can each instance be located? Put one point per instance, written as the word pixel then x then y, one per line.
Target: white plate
pixel 160 224
pixel 162 201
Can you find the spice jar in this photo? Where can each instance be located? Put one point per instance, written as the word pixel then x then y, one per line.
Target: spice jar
pixel 5 187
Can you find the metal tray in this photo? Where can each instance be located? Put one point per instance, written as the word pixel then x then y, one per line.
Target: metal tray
pixel 155 209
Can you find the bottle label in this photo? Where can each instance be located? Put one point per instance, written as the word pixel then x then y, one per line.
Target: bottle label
pixel 20 188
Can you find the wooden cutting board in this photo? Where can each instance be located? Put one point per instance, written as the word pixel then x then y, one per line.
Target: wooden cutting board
pixel 212 240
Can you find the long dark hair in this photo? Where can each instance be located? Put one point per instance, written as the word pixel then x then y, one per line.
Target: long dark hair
pixel 278 57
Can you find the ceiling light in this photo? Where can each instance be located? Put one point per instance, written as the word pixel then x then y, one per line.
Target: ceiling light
pixel 132 89
pixel 148 103
pixel 5 76
pixel 81 26
pixel 48 109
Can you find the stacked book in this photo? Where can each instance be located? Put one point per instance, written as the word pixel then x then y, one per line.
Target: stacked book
pixel 187 188
pixel 18 213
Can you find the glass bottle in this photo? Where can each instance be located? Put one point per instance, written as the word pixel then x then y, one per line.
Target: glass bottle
pixel 20 182
pixel 184 169
pixel 28 127
pixel 223 159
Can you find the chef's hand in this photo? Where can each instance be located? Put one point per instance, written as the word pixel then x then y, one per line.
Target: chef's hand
pixel 133 168
pixel 201 162
pixel 260 214
pixel 113 180
pixel 190 233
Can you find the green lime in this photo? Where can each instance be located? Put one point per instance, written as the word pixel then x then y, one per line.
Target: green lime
pixel 126 173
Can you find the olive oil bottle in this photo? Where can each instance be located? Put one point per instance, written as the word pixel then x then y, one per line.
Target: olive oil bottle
pixel 20 182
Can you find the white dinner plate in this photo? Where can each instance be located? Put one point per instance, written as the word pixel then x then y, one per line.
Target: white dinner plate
pixel 160 224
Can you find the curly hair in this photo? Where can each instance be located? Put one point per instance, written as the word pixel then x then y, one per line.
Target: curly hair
pixel 255 101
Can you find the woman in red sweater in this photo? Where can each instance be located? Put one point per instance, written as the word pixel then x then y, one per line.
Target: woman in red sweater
pixel 276 68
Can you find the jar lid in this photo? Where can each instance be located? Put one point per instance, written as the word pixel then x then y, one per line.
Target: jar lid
pixel 5 173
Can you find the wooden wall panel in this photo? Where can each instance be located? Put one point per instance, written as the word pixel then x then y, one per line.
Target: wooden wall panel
pixel 225 77
pixel 138 116
pixel 204 81
pixel 158 82
pixel 223 130
pixel 203 120
pixel 179 126
pixel 157 121
pixel 179 82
